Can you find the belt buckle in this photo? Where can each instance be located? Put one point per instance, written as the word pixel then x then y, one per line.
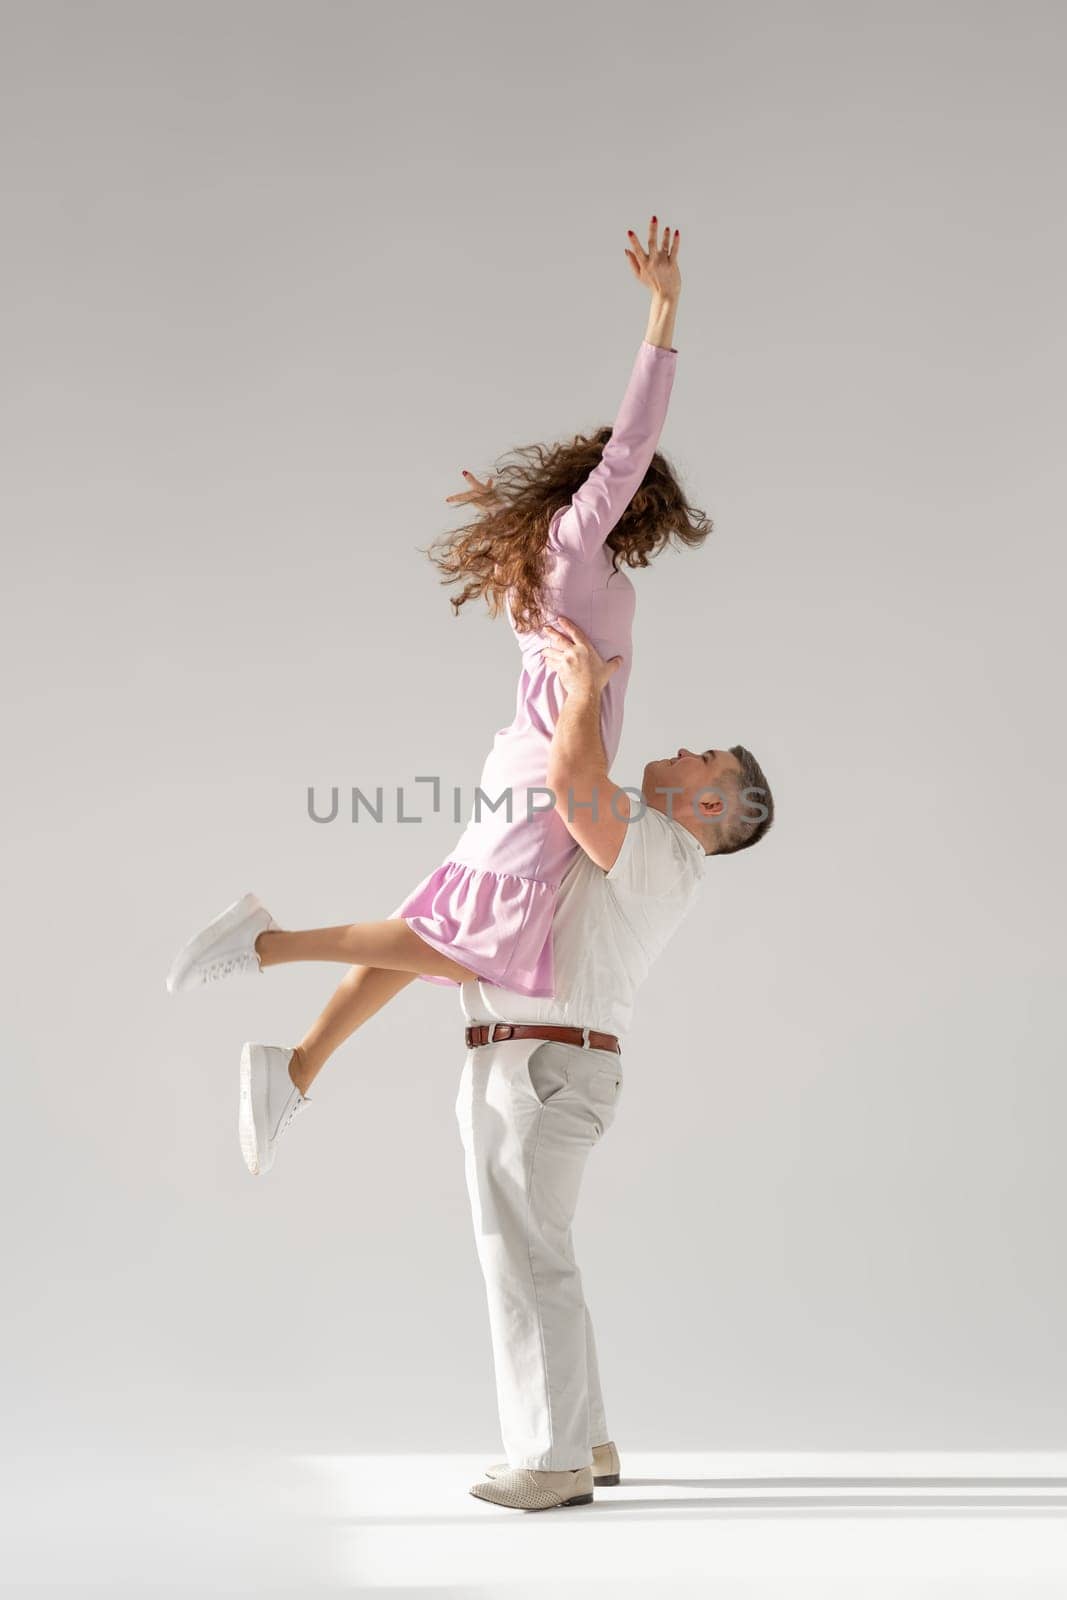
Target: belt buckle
pixel 506 1031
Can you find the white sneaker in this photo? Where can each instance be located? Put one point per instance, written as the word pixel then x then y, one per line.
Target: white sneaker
pixel 269 1102
pixel 225 947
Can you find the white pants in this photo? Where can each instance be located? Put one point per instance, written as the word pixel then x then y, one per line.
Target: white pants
pixel 529 1112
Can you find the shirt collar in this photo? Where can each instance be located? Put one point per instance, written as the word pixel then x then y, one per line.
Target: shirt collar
pixel 690 838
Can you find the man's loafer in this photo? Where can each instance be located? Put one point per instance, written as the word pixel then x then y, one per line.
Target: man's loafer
pixel 526 1489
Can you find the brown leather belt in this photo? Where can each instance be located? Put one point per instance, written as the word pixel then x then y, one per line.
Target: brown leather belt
pixel 491 1032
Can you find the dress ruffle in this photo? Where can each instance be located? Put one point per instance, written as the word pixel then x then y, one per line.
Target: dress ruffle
pixel 496 924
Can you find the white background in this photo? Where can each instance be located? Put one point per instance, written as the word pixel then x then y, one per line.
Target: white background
pixel 274 274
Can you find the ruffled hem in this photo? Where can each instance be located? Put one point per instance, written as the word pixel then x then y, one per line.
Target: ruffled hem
pixel 497 925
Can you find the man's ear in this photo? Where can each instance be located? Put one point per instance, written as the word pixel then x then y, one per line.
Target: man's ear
pixel 711 803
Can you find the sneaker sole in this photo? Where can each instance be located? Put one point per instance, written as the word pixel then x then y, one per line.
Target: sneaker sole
pixel 195 947
pixel 247 1117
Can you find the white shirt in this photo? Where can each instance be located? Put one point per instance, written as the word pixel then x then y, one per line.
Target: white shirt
pixel 607 929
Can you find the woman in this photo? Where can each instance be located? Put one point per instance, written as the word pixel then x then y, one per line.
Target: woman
pixel 553 532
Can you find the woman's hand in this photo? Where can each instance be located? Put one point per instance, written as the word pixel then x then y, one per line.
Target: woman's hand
pixel 657 267
pixel 481 494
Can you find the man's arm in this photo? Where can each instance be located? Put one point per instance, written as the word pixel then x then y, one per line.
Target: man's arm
pixel 594 809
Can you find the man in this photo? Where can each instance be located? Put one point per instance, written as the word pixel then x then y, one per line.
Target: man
pixel 542 1078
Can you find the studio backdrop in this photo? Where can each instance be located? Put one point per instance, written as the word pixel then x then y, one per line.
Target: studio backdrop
pixel 276 273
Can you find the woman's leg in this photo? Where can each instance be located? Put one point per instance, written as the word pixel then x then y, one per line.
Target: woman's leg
pixel 360 994
pixel 390 944
pixel 384 956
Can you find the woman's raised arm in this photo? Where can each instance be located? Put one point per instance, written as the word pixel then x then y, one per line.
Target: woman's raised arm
pixel 598 505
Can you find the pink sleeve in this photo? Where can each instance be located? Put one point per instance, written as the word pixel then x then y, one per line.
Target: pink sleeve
pixel 597 506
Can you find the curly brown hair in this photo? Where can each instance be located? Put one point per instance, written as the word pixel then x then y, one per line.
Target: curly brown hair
pixel 502 554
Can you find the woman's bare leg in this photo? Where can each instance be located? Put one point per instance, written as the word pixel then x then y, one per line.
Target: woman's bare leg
pixel 360 994
pixel 390 944
pixel 384 956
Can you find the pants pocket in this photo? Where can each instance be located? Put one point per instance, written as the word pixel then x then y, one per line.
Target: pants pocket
pixel 548 1069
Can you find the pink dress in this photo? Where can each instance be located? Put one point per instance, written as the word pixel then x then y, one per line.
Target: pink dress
pixel 489 905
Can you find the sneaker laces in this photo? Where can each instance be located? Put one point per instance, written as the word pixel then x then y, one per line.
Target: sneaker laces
pixel 225 966
pixel 297 1105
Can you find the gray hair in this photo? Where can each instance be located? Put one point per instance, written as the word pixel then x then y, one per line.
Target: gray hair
pixel 748 815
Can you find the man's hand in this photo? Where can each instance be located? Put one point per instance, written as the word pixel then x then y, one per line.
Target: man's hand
pixel 571 654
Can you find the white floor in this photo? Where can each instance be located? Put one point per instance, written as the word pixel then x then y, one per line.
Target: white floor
pixel 797 1527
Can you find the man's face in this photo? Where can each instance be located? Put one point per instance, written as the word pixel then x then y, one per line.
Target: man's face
pixel 690 771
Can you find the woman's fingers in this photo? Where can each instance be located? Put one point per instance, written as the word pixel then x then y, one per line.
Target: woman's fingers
pixel 661 247
pixel 657 242
pixel 476 493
